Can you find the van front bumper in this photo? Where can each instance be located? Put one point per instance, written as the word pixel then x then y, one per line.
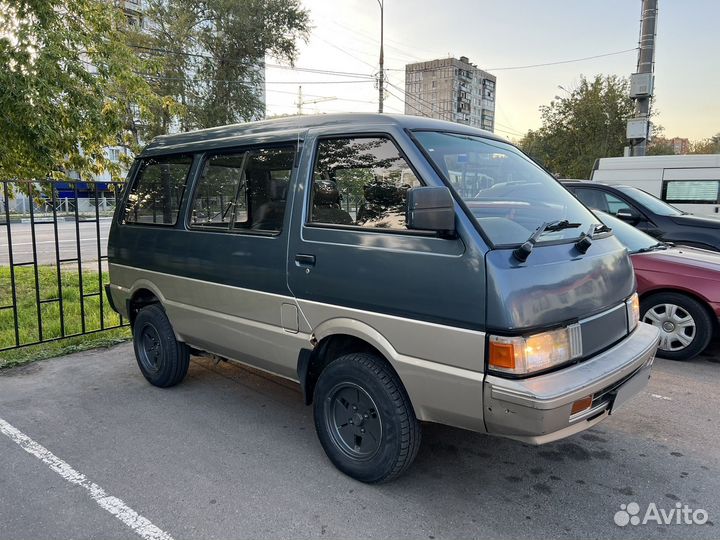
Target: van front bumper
pixel 537 410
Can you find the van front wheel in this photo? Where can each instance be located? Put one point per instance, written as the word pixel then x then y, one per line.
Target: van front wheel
pixel 163 360
pixel 364 418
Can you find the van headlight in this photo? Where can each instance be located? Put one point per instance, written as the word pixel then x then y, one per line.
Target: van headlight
pixel 633 311
pixel 522 355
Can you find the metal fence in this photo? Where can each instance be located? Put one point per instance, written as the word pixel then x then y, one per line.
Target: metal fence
pixel 53 260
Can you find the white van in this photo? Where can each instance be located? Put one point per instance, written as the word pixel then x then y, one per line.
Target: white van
pixel 690 183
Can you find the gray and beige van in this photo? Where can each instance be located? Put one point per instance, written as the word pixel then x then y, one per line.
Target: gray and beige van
pixel 400 269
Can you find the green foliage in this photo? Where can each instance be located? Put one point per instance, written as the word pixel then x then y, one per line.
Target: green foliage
pixel 706 146
pixel 587 124
pixel 69 87
pixel 661 147
pixel 209 51
pixel 27 313
pixel 50 311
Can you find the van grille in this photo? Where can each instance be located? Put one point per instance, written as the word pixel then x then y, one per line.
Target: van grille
pixel 603 330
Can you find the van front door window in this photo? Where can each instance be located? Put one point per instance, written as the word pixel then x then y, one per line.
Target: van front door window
pixel 361 181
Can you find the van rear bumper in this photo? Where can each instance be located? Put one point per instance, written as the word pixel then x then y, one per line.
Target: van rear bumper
pixel 537 410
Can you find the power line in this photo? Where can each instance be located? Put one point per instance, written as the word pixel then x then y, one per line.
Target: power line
pixel 273 91
pixel 373 40
pixel 563 61
pixel 499 109
pixel 239 62
pixel 508 129
pixel 413 107
pixel 247 83
pixel 346 52
pixel 508 68
pixel 421 101
pixel 444 115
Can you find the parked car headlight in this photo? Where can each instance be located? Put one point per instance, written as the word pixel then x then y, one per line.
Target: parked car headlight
pixel 633 311
pixel 522 355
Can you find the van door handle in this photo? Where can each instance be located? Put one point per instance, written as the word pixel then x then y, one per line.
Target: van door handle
pixel 302 259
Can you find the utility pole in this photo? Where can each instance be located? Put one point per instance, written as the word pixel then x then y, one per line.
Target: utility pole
pixel 301 101
pixel 642 82
pixel 381 73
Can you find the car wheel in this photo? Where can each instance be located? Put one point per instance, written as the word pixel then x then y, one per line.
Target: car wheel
pixel 162 359
pixel 684 323
pixel 364 418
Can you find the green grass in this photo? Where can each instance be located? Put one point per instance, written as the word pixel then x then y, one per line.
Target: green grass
pixel 50 314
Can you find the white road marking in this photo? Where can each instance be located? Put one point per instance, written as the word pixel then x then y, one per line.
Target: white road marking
pixel 141 525
pixel 658 396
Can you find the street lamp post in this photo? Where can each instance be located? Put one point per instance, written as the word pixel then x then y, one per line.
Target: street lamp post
pixel 381 74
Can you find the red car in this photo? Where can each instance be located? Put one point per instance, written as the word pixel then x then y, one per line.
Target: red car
pixel 679 288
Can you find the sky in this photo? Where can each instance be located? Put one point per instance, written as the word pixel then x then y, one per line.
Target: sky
pixel 501 34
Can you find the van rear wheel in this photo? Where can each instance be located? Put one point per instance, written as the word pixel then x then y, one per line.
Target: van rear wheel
pixel 364 418
pixel 163 360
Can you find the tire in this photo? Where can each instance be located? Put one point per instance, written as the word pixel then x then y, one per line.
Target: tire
pixel 684 323
pixel 381 437
pixel 162 359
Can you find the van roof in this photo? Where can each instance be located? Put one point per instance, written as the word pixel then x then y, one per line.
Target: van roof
pixel 296 126
pixel 659 162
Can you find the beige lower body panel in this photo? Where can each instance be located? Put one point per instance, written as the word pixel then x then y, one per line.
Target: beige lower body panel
pixel 229 321
pixel 440 366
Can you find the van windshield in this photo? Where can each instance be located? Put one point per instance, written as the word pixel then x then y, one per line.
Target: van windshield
pixel 508 194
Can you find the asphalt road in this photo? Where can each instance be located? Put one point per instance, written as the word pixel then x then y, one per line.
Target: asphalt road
pixel 45 241
pixel 232 454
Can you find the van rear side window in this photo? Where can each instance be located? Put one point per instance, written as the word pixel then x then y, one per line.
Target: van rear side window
pixel 157 191
pixel 692 191
pixel 243 190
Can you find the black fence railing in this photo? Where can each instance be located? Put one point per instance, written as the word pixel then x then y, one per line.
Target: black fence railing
pixel 53 260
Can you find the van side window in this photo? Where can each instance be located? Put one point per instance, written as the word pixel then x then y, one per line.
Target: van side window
pixel 360 181
pixel 221 193
pixel 243 190
pixel 692 191
pixel 157 191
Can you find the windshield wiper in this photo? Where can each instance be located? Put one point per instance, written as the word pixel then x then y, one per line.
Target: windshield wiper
pixel 601 228
pixel 585 240
pixel 523 252
pixel 654 247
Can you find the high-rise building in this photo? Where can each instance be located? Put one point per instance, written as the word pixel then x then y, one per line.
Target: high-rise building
pixel 451 89
pixel 680 145
pixel 133 10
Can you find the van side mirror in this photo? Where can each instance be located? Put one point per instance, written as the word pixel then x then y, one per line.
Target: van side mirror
pixel 431 209
pixel 629 215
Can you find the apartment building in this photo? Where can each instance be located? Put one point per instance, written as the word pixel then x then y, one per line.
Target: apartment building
pixel 680 145
pixel 451 89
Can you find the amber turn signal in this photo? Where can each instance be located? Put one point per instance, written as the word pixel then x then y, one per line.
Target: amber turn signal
pixel 502 355
pixel 581 404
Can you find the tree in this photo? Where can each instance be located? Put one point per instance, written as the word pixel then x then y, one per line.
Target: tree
pixel 69 87
pixel 706 146
pixel 660 146
pixel 589 123
pixel 211 54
